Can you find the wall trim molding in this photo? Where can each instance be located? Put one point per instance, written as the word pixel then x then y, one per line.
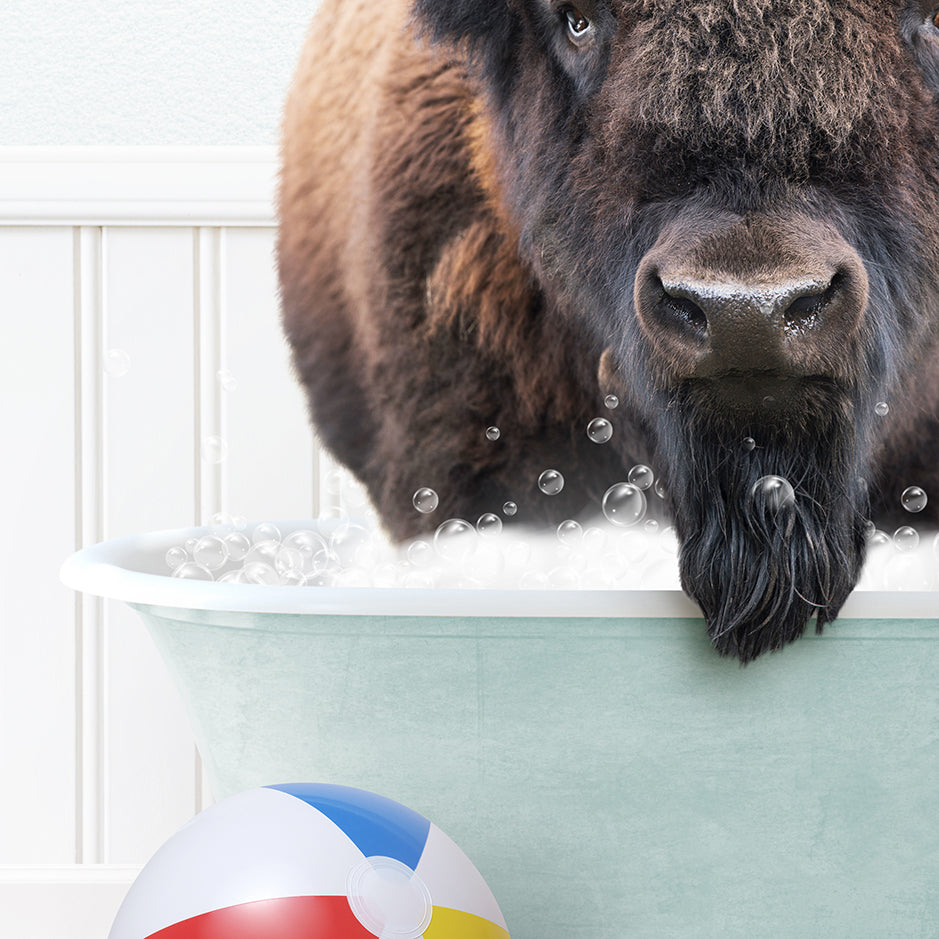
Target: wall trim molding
pixel 210 186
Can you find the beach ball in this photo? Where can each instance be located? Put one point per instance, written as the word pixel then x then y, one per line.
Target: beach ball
pixel 309 861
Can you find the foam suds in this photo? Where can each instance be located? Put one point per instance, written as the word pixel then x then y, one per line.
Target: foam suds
pixel 590 555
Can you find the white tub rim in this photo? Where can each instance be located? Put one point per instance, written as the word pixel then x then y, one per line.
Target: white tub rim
pixel 107 570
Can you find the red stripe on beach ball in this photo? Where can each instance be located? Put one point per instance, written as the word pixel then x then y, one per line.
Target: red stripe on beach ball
pixel 284 918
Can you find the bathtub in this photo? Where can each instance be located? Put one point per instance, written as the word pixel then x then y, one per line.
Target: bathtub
pixel 606 771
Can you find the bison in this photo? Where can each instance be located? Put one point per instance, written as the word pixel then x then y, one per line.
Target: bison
pixel 726 212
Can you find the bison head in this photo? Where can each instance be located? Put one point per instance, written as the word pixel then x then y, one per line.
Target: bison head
pixel 738 201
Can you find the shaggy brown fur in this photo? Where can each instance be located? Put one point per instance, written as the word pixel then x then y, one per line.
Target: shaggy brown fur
pixel 467 200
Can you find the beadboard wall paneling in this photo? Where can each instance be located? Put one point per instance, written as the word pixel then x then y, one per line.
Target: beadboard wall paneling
pixel 270 469
pixel 39 492
pixel 149 467
pixel 145 385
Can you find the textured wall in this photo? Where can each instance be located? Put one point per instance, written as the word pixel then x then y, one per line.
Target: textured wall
pixel 176 72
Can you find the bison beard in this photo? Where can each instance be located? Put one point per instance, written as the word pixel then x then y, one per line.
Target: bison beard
pixel 759 571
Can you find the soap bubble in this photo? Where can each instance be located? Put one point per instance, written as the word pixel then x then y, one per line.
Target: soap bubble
pixel 611 401
pixel 226 380
pixel 773 493
pixel 425 500
pixel 288 559
pixel 419 580
pixel 748 445
pixel 570 555
pixel 192 571
pixel 455 539
pixel 346 540
pixel 570 532
pixel 370 554
pixel 878 538
pixel 913 499
pixel 339 529
pixel 323 578
pixel 214 449
pixel 232 577
pixel 257 572
pixel 550 482
pixel 420 554
pixel 211 552
pixel 641 476
pixel 624 504
pixel 509 509
pixel 332 482
pixel 564 577
pixel 308 543
pixel 489 524
pixel 906 538
pixel 599 430
pixel 881 408
pixel 493 433
pixel 263 552
pixel 668 540
pixel 518 554
pixel 594 540
pixel 659 488
pixel 354 497
pixel 175 557
pixel 353 577
pixel 534 580
pixel 489 565
pixel 651 526
pixel 116 362
pixel 630 548
pixel 220 523
pixel 265 531
pixel 324 560
pixel 238 545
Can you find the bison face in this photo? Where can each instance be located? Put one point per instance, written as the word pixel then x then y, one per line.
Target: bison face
pixel 739 202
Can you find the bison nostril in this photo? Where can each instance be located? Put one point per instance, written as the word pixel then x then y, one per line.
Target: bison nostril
pixel 804 310
pixel 684 312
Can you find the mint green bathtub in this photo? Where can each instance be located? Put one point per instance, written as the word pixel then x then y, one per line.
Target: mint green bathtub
pixel 606 771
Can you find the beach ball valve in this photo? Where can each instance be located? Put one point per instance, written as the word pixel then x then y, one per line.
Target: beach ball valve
pixel 309 861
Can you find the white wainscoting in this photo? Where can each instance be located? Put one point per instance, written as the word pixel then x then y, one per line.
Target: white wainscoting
pixel 160 260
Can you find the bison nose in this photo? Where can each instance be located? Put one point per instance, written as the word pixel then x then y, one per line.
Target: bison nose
pixel 746 326
pixel 777 318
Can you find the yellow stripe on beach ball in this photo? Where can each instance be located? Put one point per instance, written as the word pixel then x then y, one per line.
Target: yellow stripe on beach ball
pixel 455 924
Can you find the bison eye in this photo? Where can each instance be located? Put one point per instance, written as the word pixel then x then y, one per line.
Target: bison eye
pixel 578 26
pixel 935 19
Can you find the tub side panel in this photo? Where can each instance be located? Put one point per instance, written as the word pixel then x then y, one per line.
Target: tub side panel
pixel 609 778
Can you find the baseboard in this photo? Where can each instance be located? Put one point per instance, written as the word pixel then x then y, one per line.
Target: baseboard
pixel 61 902
pixel 137 185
